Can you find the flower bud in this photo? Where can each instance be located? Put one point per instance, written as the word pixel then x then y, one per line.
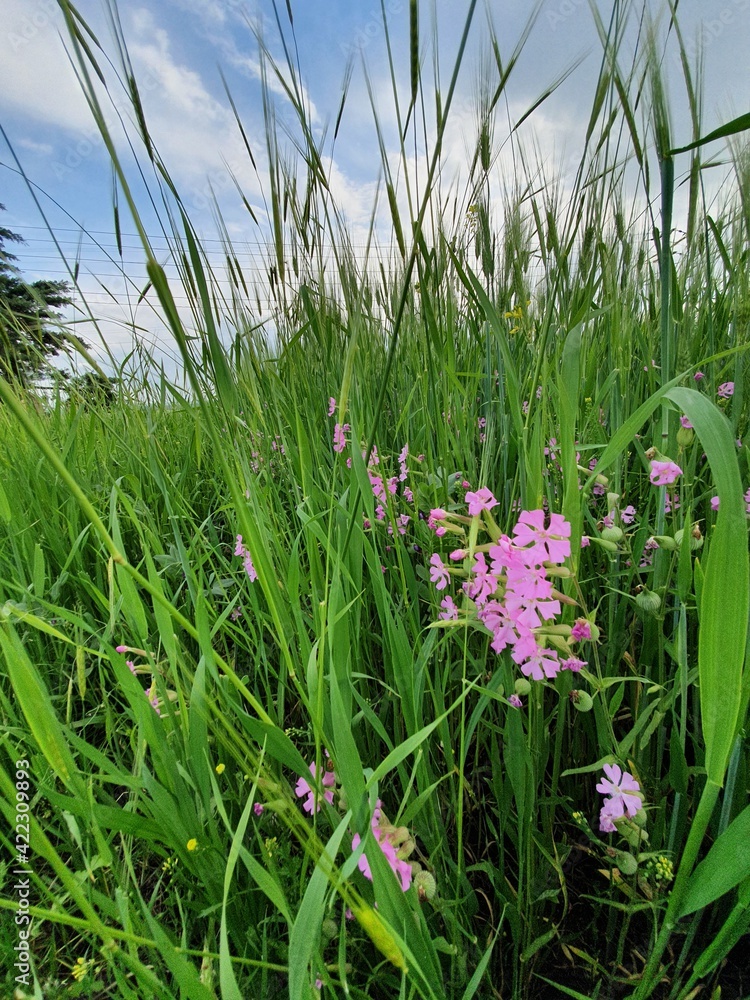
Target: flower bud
pixel 613 534
pixel 664 542
pixel 612 499
pixel 522 686
pixel 604 543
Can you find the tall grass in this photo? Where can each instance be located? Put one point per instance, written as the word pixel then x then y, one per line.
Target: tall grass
pixel 170 854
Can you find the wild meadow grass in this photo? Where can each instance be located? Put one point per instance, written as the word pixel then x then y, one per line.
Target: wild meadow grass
pixel 291 762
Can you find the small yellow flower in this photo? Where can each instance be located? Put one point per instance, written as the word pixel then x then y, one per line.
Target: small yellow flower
pixel 220 768
pixel 192 844
pixel 80 969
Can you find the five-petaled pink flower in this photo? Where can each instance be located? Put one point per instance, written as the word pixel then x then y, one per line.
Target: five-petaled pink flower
pixel 438 573
pixel 544 544
pixel 479 501
pixel 303 788
pixel 581 630
pixel 725 390
pixel 620 787
pixel 664 473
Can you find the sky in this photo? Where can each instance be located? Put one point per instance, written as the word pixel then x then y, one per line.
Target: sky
pixel 181 51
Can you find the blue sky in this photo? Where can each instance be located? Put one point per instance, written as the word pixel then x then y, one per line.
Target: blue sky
pixel 176 48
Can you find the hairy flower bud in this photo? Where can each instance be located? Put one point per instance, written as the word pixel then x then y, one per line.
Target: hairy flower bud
pixel 613 534
pixel 426 885
pixel 649 600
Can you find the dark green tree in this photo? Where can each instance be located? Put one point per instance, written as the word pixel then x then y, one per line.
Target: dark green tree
pixel 29 321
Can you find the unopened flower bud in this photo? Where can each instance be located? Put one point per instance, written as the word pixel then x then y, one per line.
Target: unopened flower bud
pixel 613 534
pixel 664 542
pixel 612 499
pixel 522 686
pixel 603 543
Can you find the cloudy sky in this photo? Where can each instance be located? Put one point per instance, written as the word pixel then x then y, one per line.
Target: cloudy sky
pixel 179 50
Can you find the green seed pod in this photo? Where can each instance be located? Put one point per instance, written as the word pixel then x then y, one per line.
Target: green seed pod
pixel 613 534
pixel 426 885
pixel 696 537
pixel 582 700
pixel 612 499
pixel 685 437
pixel 649 600
pixel 522 686
pixel 330 928
pixel 626 862
pixel 604 543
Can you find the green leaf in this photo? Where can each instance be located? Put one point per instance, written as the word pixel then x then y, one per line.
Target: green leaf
pixel 736 125
pixel 725 866
pixel 725 597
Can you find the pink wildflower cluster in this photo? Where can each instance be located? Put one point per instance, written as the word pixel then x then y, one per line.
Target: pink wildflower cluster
pixel 512 593
pixel 384 488
pixel 151 692
pixel 394 842
pixel 619 788
pixel 247 562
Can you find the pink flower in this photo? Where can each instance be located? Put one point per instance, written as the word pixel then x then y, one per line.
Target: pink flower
pixel 581 630
pixel 585 541
pixel 515 701
pixel 698 376
pixel 438 573
pixel 451 611
pixel 684 422
pixel 725 390
pixel 664 473
pixel 339 441
pixel 258 808
pixel 574 665
pixel 620 786
pixel 479 501
pixel 303 788
pixel 627 516
pixel 714 503
pixel 331 406
pixel 543 663
pixel 544 544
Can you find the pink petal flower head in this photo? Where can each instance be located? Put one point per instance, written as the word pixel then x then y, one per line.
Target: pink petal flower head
pixel 551 544
pixel 664 473
pixel 585 541
pixel 479 501
pixel 258 808
pixel 621 787
pixel 249 568
pixel 714 503
pixel 684 422
pixel 451 611
pixel 331 406
pixel 627 516
pixel 725 390
pixel 438 573
pixel 438 514
pixel 581 630
pixel 121 649
pixel 574 665
pixel 239 549
pixel 303 788
pixel 339 441
pixel 698 376
pixel 515 701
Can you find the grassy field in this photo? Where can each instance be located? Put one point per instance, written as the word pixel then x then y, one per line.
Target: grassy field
pixel 312 661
